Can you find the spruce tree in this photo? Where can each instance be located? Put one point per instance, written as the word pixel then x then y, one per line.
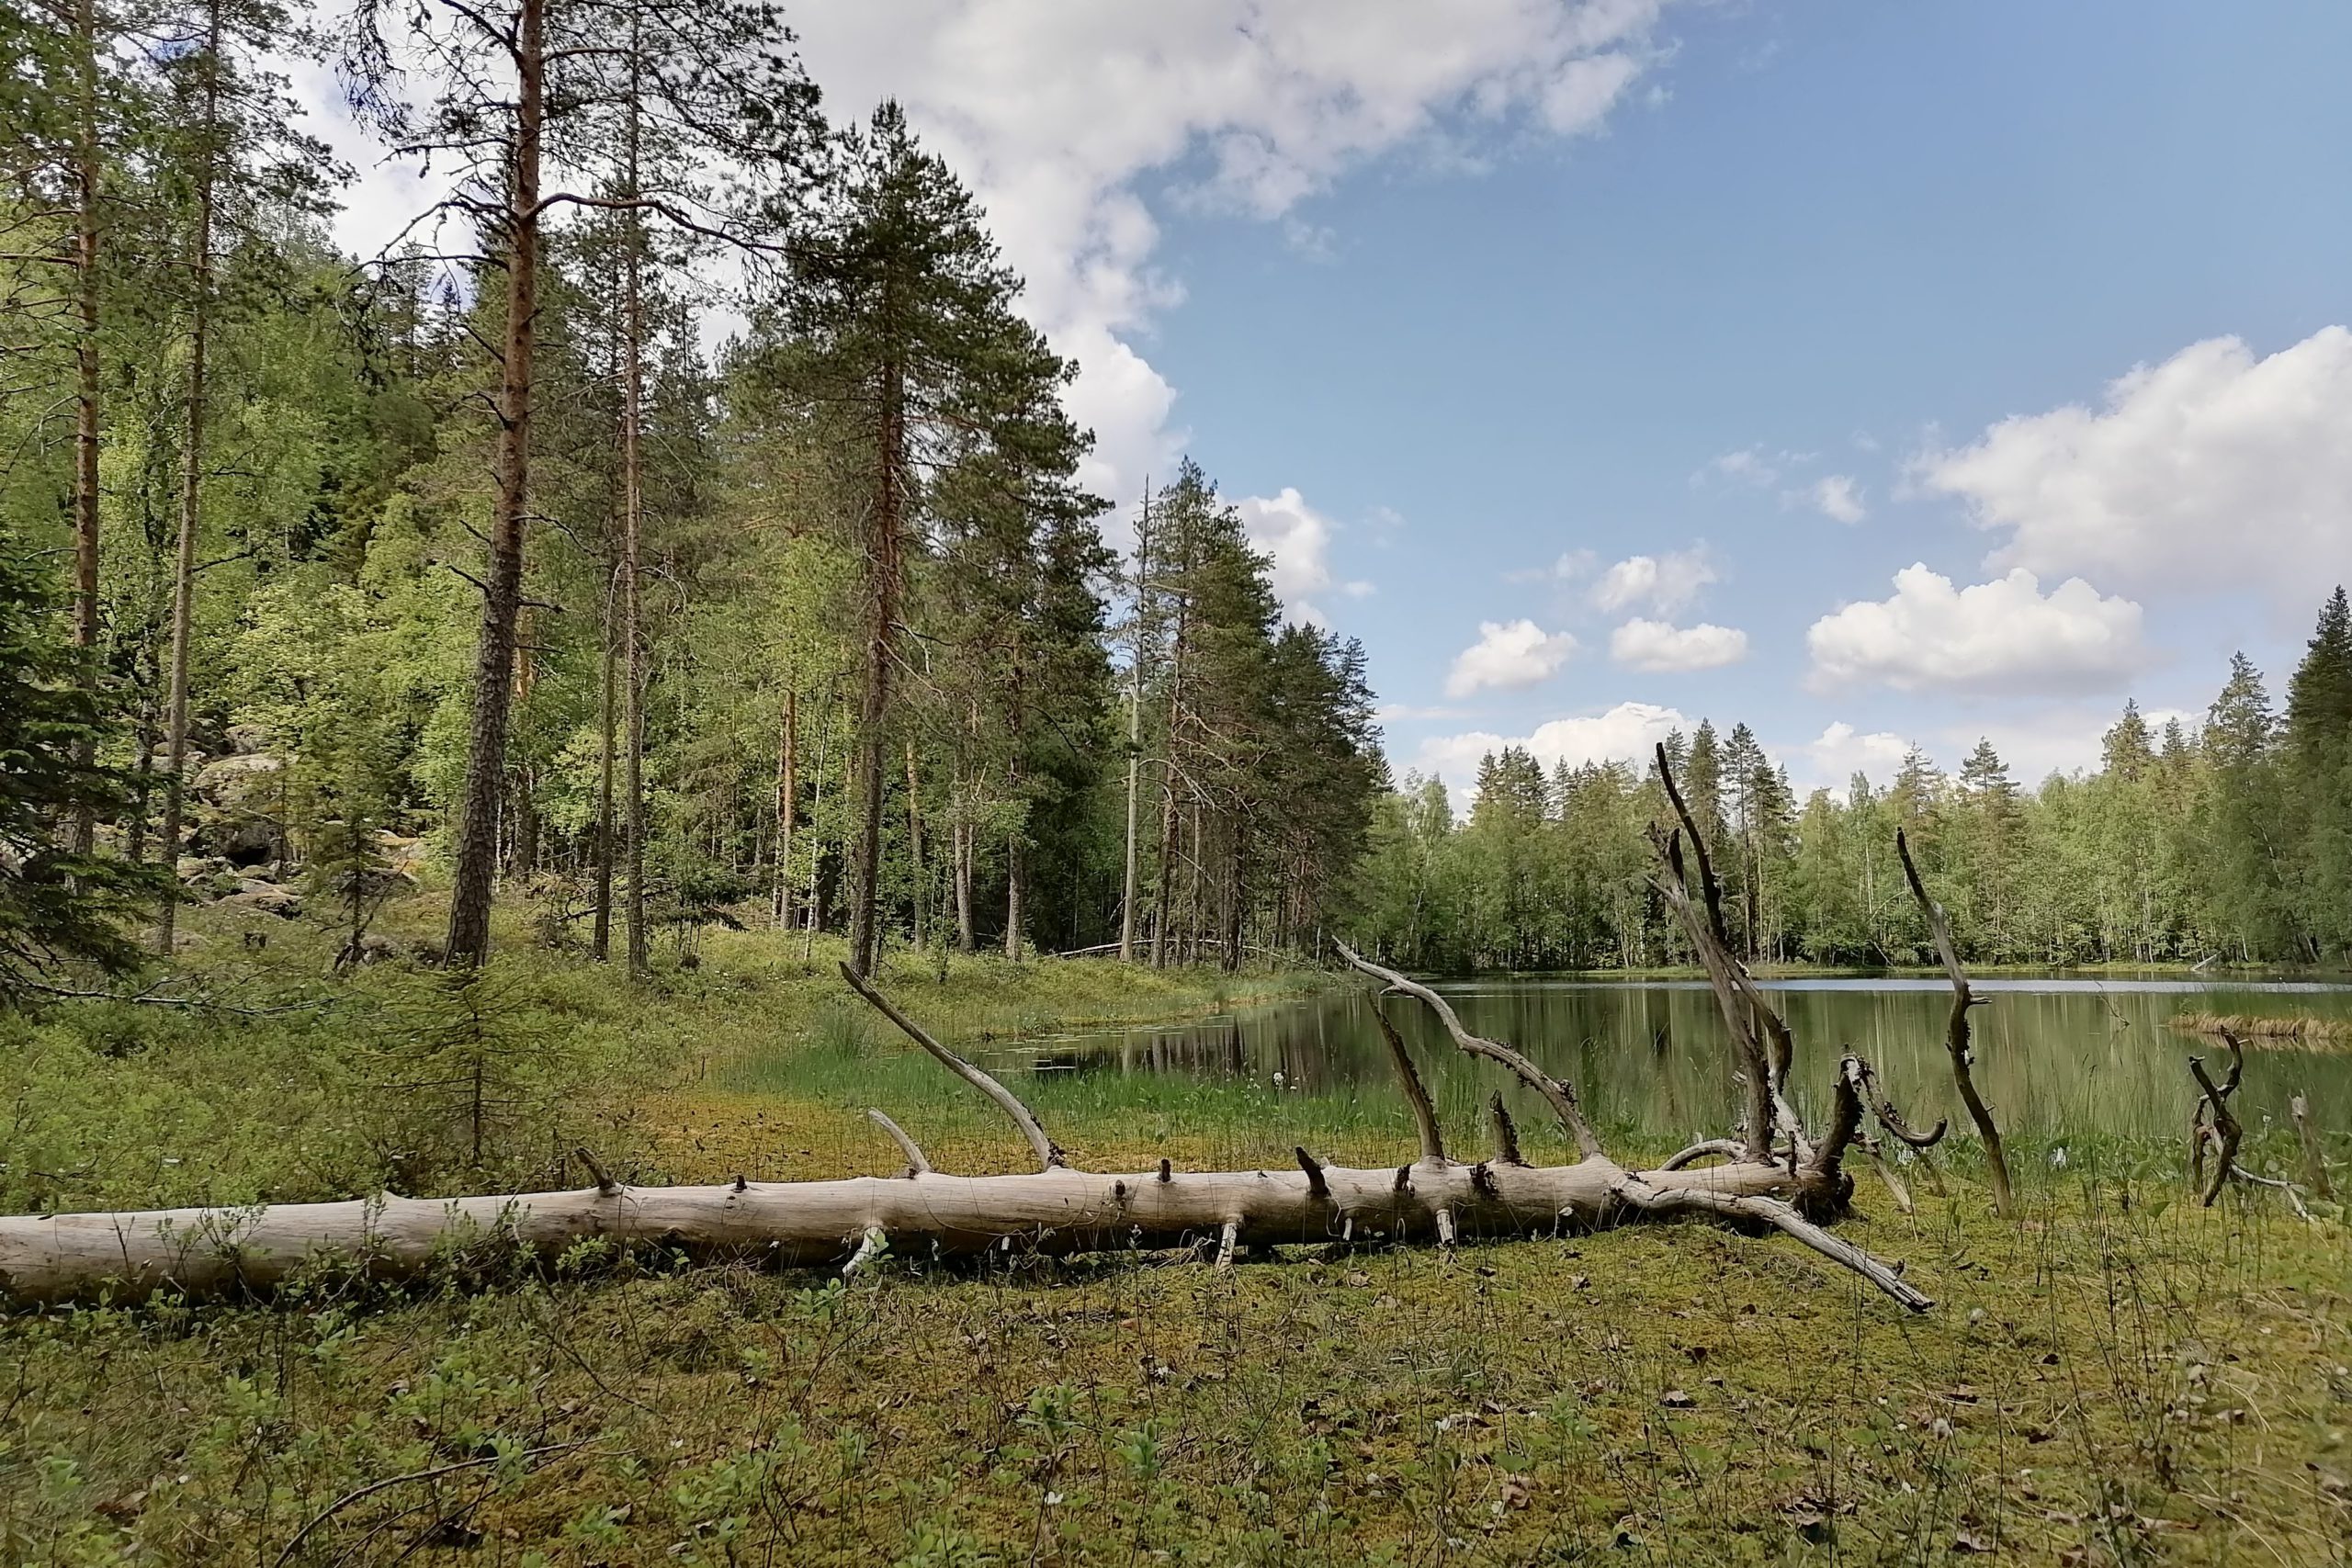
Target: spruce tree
pixel 60 907
pixel 2319 697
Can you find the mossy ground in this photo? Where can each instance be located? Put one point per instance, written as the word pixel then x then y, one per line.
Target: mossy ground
pixel 2121 1377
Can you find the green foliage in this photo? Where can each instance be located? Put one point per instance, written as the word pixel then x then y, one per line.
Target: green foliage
pixel 57 909
pixel 2231 843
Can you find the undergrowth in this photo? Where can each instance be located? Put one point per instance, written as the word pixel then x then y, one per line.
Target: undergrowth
pixel 2121 1376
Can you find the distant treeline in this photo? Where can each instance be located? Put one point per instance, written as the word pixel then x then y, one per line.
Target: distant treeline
pixel 2232 842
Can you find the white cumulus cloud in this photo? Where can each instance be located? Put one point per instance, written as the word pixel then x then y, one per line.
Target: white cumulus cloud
pixel 1837 498
pixel 1507 656
pixel 1840 751
pixel 1299 539
pixel 2211 468
pixel 1626 733
pixel 1661 647
pixel 1663 583
pixel 2002 636
pixel 1057 115
pixel 1746 466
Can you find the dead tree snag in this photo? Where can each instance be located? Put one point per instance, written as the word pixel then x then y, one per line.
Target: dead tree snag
pixel 2213 1128
pixel 1996 1164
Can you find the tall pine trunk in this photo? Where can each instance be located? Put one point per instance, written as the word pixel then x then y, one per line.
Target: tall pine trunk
pixel 607 722
pixel 87 391
pixel 787 787
pixel 1159 932
pixel 1017 712
pixel 191 501
pixel 632 526
pixel 1135 730
pixel 963 855
pixel 915 843
pixel 477 856
pixel 882 585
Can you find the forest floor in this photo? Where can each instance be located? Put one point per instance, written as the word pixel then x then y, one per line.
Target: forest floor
pixel 2121 1377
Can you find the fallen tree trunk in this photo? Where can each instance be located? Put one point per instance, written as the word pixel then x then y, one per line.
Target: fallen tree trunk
pixel 227 1252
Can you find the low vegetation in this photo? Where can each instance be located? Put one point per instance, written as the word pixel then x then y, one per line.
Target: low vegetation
pixel 2121 1376
pixel 2292 1030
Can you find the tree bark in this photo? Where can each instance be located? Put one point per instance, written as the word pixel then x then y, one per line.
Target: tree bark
pixel 1135 730
pixel 89 392
pixel 477 848
pixel 608 725
pixel 1164 893
pixel 1016 838
pixel 965 940
pixel 632 529
pixel 882 580
pixel 191 499
pixel 787 789
pixel 226 1252
pixel 914 844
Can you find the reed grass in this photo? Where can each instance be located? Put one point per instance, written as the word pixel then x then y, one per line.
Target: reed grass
pixel 2291 1031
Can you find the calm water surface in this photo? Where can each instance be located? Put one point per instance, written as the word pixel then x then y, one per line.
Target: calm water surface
pixel 2058 1054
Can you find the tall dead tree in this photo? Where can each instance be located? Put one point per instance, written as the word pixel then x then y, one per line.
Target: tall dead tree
pixel 1137 662
pixel 1956 1033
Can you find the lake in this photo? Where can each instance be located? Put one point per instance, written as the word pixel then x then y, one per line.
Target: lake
pixel 2057 1056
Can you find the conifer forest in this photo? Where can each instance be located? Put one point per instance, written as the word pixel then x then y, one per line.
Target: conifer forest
pixel 651 912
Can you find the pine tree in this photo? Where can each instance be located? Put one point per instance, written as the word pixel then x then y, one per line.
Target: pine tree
pixel 509 92
pixel 897 326
pixel 2246 879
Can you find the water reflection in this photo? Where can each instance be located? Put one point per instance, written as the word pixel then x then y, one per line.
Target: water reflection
pixel 2058 1054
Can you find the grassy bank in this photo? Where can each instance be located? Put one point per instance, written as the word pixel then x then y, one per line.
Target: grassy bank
pixel 286 1085
pixel 2123 1377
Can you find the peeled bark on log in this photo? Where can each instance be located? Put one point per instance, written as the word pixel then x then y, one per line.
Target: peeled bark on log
pixel 225 1252
pixel 199 1253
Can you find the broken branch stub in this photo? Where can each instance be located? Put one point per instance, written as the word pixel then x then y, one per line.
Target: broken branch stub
pixel 1409 1078
pixel 1557 1092
pixel 2215 1124
pixel 1049 1153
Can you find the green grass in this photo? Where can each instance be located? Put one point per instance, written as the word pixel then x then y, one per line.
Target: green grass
pixel 2121 1377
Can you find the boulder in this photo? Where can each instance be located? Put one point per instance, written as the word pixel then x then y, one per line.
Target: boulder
pixel 201 868
pixel 265 898
pixel 402 856
pixel 247 843
pixel 241 782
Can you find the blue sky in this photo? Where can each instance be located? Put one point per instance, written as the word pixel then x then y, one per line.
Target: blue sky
pixel 1603 363
pixel 1849 231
